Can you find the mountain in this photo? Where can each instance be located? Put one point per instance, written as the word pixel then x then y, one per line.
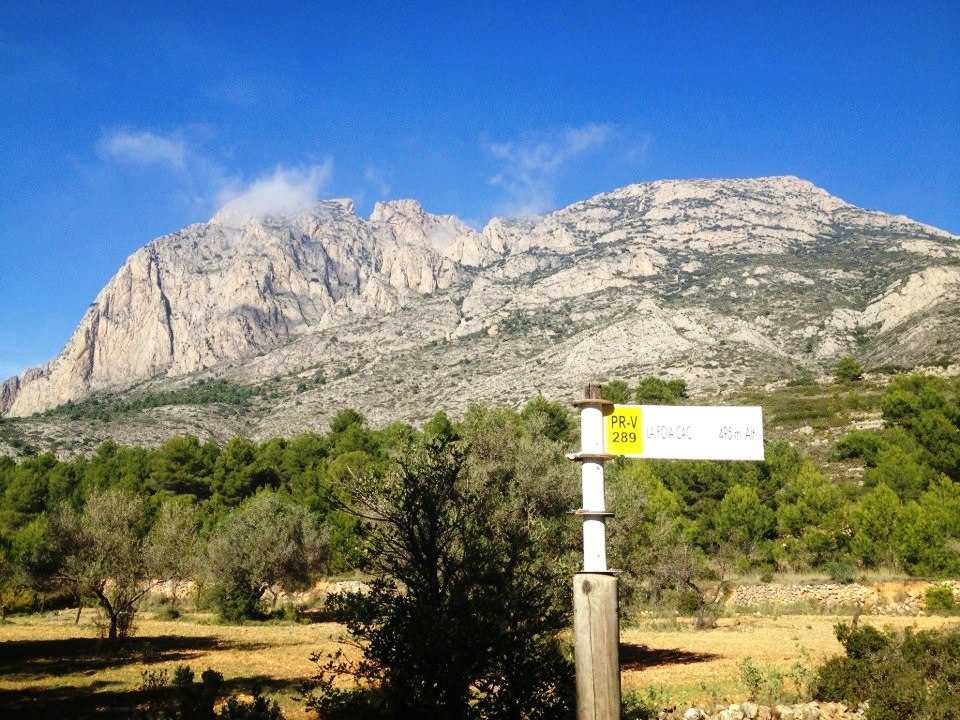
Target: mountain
pixel 405 312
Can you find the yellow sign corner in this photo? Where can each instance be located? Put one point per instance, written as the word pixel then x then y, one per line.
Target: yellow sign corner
pixel 623 430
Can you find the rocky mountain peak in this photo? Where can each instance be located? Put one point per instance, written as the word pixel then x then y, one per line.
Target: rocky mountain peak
pixel 390 210
pixel 239 215
pixel 671 275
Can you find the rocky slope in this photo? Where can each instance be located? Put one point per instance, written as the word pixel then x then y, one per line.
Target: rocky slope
pixel 719 281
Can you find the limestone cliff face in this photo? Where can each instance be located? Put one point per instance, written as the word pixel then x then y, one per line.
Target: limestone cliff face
pixel 237 286
pixel 707 278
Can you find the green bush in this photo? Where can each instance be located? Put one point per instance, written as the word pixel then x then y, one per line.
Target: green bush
pixel 939 600
pixel 847 369
pixel 641 704
pixel 656 391
pixel 687 602
pixel 764 684
pixel 184 699
pixel 902 676
pixel 841 571
pixel 168 612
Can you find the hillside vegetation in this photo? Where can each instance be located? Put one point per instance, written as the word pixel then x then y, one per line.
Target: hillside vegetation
pixel 789 513
pixel 462 532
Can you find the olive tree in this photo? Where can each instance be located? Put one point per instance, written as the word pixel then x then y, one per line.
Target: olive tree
pixel 109 552
pixel 268 543
pixel 674 563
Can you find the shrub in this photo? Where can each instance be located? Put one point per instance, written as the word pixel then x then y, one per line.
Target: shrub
pixel 615 391
pixel 841 571
pixel 903 676
pixel 939 600
pixel 641 705
pixel 185 699
pixel 461 619
pixel 847 369
pixel 765 685
pixel 168 612
pixel 258 708
pixel 656 391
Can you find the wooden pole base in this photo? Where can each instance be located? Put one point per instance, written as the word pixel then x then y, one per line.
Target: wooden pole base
pixel 596 647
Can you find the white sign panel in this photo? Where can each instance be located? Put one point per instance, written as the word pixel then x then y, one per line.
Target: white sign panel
pixel 685 432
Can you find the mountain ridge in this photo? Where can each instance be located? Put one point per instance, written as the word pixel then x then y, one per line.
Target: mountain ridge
pixel 215 297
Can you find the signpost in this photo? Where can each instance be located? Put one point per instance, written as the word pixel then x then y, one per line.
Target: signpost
pixel 685 432
pixel 681 432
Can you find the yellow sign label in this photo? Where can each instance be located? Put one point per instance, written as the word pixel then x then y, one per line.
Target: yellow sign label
pixel 624 430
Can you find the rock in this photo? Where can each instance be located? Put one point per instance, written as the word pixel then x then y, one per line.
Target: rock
pixel 731 713
pixel 694 714
pixel 409 311
pixel 750 710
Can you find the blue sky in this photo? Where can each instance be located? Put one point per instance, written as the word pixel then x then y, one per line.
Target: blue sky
pixel 122 123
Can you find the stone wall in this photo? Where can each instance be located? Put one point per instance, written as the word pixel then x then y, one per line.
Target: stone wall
pixel 901 597
pixel 752 711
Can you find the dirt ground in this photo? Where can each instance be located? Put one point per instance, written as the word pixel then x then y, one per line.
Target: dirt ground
pixel 703 666
pixel 50 667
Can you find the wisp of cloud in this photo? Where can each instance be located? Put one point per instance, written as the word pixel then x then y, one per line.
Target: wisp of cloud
pixel 285 191
pixel 530 165
pixel 144 148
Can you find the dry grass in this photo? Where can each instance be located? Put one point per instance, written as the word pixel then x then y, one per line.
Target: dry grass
pixel 703 666
pixel 47 661
pixel 49 657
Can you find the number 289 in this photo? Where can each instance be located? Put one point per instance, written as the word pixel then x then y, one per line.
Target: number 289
pixel 620 436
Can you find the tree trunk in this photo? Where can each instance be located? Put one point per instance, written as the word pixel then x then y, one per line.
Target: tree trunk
pixel 111 613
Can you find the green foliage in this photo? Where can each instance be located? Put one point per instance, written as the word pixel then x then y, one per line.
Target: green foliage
pixel 205 392
pixel 928 410
pixel 616 391
pixel 764 685
pixel 655 391
pixel 782 514
pixel 555 421
pixel 185 699
pixel 903 676
pixel 183 466
pixel 841 571
pixel 875 519
pixel 462 616
pixel 923 544
pixel 267 542
pixel 642 704
pixel 911 518
pixel 847 369
pixel 743 519
pixel 938 599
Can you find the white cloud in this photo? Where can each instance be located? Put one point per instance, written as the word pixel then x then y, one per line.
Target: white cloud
pixel 204 184
pixel 530 165
pixel 284 191
pixel 144 148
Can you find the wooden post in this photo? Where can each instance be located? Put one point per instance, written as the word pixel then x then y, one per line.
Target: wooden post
pixel 596 625
pixel 596 632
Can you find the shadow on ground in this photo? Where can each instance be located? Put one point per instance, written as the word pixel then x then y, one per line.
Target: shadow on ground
pixel 33 659
pixel 102 699
pixel 638 657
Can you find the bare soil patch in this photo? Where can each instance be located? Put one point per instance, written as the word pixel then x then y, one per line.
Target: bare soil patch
pixel 50 667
